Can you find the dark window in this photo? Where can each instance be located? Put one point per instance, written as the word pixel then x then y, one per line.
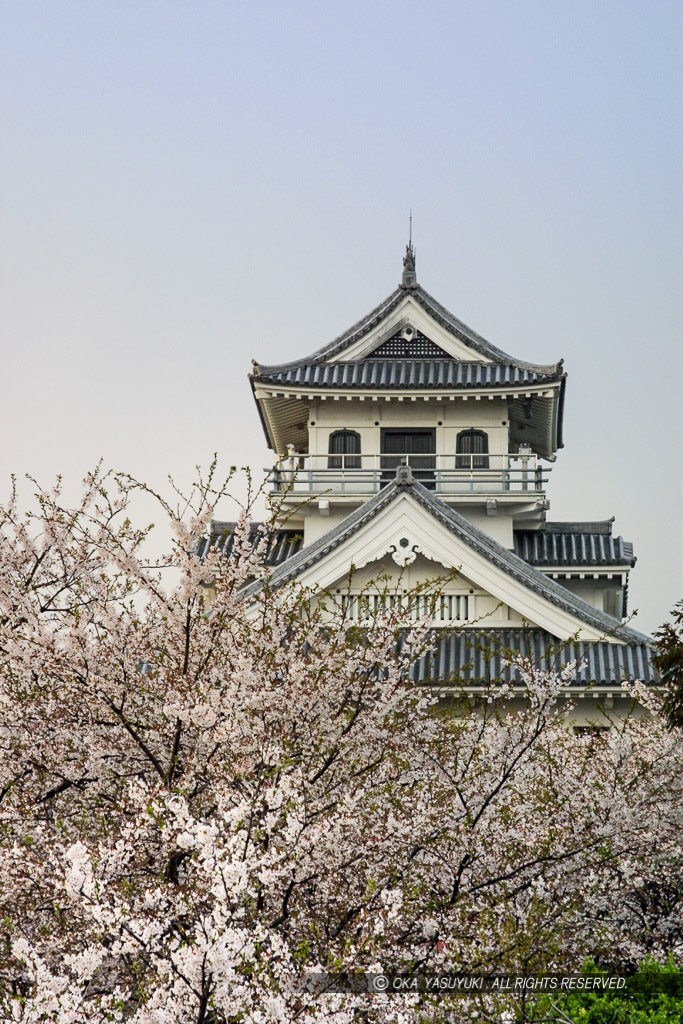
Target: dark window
pixel 344 450
pixel 415 447
pixel 472 447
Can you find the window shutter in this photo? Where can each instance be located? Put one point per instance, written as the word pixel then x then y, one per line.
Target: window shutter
pixel 344 449
pixel 472 447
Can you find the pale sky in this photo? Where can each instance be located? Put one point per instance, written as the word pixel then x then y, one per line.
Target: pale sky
pixel 185 186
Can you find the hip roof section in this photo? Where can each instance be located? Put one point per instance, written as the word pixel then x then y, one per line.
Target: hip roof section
pixel 280 544
pixel 409 343
pixel 557 544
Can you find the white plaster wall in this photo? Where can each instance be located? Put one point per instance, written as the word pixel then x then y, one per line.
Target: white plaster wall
pixel 599 711
pixel 316 525
pixel 601 593
pixel 383 573
pixel 499 526
pixel 448 418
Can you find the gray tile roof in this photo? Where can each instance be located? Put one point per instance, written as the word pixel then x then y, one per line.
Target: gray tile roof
pixel 470 656
pixel 431 369
pixel 573 544
pixel 407 373
pixel 558 544
pixel 505 560
pixel 447 320
pixel 282 544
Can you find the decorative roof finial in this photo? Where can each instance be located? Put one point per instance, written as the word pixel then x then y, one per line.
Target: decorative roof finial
pixel 409 279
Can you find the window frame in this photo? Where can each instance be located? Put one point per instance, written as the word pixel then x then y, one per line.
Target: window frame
pixel 344 459
pixel 471 459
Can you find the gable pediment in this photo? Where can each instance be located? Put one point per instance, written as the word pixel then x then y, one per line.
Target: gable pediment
pixel 404 522
pixel 406 530
pixel 405 324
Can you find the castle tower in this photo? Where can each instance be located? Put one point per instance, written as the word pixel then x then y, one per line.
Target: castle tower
pixel 411 447
pixel 410 383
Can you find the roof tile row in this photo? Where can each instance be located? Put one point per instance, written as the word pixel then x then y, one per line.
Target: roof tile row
pixel 470 656
pixel 407 373
pixel 282 544
pixel 546 547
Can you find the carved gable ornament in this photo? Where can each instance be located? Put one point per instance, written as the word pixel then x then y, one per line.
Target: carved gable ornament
pixel 405 552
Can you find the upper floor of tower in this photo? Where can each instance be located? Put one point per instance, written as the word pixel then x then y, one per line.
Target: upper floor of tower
pixel 411 383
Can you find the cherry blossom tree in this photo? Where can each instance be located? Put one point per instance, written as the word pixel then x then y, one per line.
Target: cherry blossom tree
pixel 204 799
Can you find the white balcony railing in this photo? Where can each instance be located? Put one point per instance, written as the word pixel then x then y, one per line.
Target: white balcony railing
pixel 441 609
pixel 363 475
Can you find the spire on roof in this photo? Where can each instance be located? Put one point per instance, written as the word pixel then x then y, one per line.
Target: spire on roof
pixel 409 279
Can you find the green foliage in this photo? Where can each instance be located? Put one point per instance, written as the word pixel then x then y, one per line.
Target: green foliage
pixel 669 663
pixel 646 1004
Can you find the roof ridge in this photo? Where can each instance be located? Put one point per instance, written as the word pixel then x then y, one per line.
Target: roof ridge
pixel 595 526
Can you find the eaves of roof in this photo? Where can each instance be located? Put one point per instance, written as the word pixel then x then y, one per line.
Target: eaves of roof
pixel 582 547
pixel 443 316
pixel 467 657
pixel 505 560
pixel 262 418
pixel 282 544
pixel 407 373
pixel 559 428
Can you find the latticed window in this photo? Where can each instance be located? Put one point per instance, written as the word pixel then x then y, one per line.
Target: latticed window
pixel 402 345
pixel 416 448
pixel 344 449
pixel 472 447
